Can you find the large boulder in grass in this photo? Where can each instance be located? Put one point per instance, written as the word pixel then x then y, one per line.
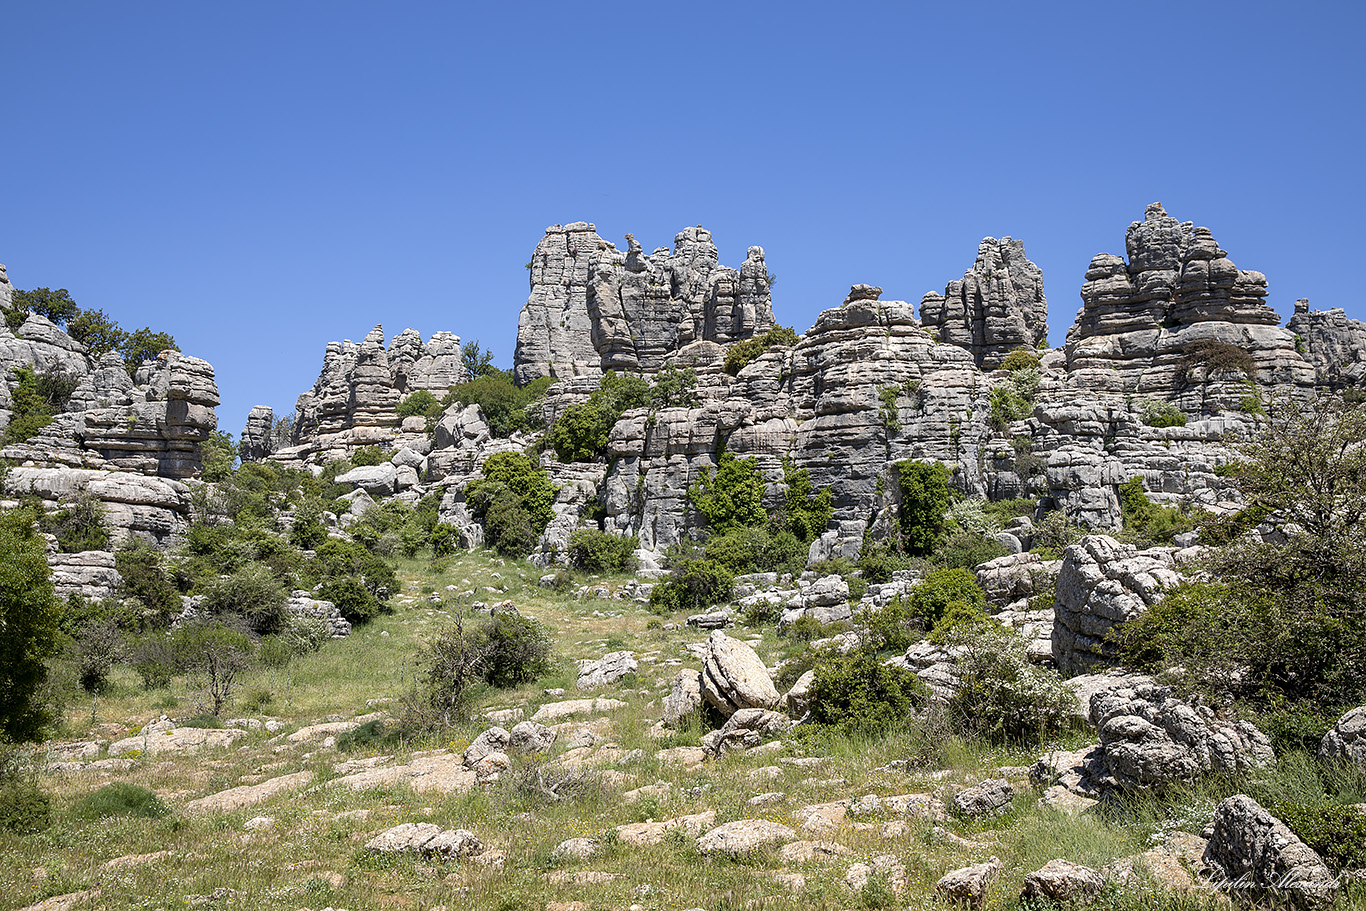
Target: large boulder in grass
pixel 1255 854
pixel 1062 882
pixel 734 678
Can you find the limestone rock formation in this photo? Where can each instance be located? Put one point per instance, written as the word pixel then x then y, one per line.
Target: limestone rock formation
pixel 1101 584
pixel 1257 855
pixel 997 307
pixel 1169 323
pixel 1150 737
pixel 256 442
pixel 733 677
pixel 594 308
pixel 1346 740
pixel 352 403
pixel 1334 344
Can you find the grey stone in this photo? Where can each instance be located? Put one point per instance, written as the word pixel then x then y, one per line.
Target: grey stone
pixel 734 678
pixel 1346 740
pixel 1063 882
pixel 1256 855
pixel 990 798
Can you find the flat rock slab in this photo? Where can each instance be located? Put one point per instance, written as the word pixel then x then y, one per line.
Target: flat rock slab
pixel 135 860
pixel 427 839
pixel 326 729
pixel 248 795
pixel 801 852
pixel 176 740
pixel 557 711
pixel 67 902
pixel 823 817
pixel 640 834
pixel 743 836
pixel 442 773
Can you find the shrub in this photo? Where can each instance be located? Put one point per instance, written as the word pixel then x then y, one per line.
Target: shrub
pixel 373 735
pixel 144 579
pixel 525 479
pixel 1053 533
pixel 445 540
pixel 877 562
pixel 732 497
pixel 28 615
pixel 861 696
pixel 153 658
pixel 504 404
pixel 216 654
pixel 24 807
pixel 34 399
pixel 1145 523
pixel 120 799
pixel 251 592
pixel 740 354
pixel 599 552
pixel 756 550
pixel 421 404
pixel 1336 832
pixel 943 589
pixel 958 616
pixel 693 585
pixel 79 526
pixel 966 550
pixel 1217 356
pixel 98 647
pixel 580 433
pixel 924 494
pixel 219 453
pixel 807 516
pixel 1020 359
pixel 336 558
pixel 357 604
pixel 507 526
pixel 504 650
pixel 1002 695
pixel 896 625
pixel 1157 413
pixel 673 388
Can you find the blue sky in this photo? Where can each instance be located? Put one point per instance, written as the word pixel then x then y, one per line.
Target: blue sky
pixel 261 178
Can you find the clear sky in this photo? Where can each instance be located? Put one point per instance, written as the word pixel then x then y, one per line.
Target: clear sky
pixel 259 178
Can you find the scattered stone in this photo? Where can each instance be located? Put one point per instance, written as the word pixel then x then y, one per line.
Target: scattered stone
pixel 638 834
pixel 742 836
pixel 990 798
pixel 135 860
pixel 886 868
pixel 1256 854
pixel 558 711
pixel 164 737
pixel 1063 882
pixel 1346 740
pixel 576 848
pixel 531 737
pixel 766 799
pixel 493 740
pixel 248 795
pixel 969 884
pixel 746 730
pixel 606 670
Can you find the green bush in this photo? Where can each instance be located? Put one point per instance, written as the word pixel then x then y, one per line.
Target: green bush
pixel 730 498
pixel 1336 832
pixel 581 432
pixel 525 479
pixel 357 604
pixel 219 454
pixel 1002 695
pixel 1217 356
pixel 673 388
pixel 599 552
pixel 120 799
pixel 508 528
pixel 756 550
pixel 896 625
pixel 966 550
pixel 516 649
pixel 1157 413
pixel 1054 533
pixel 373 735
pixel 34 399
pixel 503 403
pixel 739 354
pixel 877 562
pixel 694 584
pixel 958 617
pixel 807 516
pixel 944 589
pixel 1020 359
pixel 215 654
pixel 445 540
pixel 144 578
pixel 421 404
pixel 335 558
pixel 367 456
pixel 24 807
pixel 252 593
pixel 1145 523
pixel 861 696
pixel 925 498
pixel 153 659
pixel 28 614
pixel 79 525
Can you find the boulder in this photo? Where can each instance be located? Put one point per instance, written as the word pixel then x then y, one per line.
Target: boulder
pixel 606 670
pixel 531 737
pixel 734 678
pixel 1346 740
pixel 968 884
pixel 1062 882
pixel 426 839
pixel 684 699
pixel 744 730
pixel 1255 854
pixel 743 836
pixel 991 797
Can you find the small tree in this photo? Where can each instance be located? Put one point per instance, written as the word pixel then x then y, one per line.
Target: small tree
pixel 55 305
pixel 96 331
pixel 28 627
pixel 733 497
pixel 924 489
pixel 476 361
pixel 144 345
pixel 215 654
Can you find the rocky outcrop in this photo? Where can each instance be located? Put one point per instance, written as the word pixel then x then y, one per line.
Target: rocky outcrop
pixel 1256 855
pixel 1102 584
pixel 1150 737
pixel 593 307
pixel 1334 344
pixel 733 677
pixel 1171 321
pixel 997 307
pixel 352 403
pixel 1346 740
pixel 134 506
pixel 257 441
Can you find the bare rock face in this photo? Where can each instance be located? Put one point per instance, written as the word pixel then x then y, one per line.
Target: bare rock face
pixel 256 442
pixel 969 884
pixel 352 402
pixel 733 677
pixel 91 574
pixel 593 307
pixel 1062 881
pixel 1102 584
pixel 745 730
pixel 1257 855
pixel 1152 738
pixel 1346 740
pixel 1146 326
pixel 997 307
pixel 1334 344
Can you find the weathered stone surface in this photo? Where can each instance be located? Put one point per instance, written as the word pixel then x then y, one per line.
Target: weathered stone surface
pixel 1346 740
pixel 640 834
pixel 531 737
pixel 1102 584
pixel 245 796
pixel 302 604
pixel 744 835
pixel 91 574
pixel 997 307
pixel 1334 344
pixel 968 884
pixel 558 711
pixel 989 798
pixel 684 699
pixel 745 730
pixel 734 678
pixel 606 670
pixel 426 839
pixel 1152 738
pixel 1062 881
pixel 164 737
pixel 257 440
pixel 493 740
pixel 594 308
pixel 1256 855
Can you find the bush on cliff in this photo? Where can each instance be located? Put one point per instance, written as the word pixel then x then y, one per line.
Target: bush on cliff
pixel 924 502
pixel 740 354
pixel 731 497
pixel 580 433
